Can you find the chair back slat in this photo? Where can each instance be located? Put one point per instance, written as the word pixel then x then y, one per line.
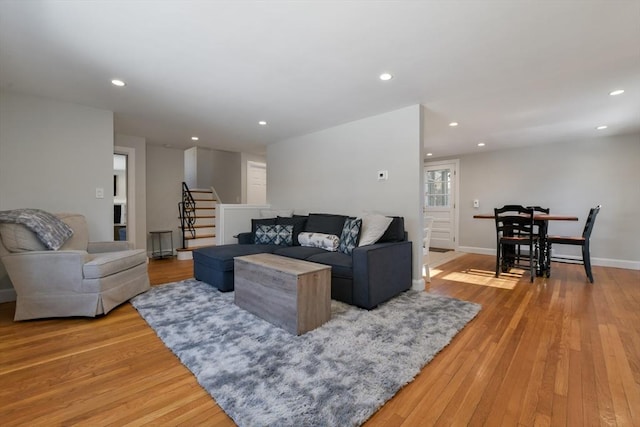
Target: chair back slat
pixel 591 219
pixel 513 220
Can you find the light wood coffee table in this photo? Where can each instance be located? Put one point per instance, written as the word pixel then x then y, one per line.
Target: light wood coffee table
pixel 290 293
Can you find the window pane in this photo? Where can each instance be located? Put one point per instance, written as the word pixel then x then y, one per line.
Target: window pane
pixel 437 188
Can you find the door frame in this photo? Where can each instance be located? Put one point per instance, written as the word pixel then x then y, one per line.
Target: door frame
pixel 456 195
pixel 131 191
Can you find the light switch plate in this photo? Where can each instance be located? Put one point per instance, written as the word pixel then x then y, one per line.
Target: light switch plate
pixel 99 193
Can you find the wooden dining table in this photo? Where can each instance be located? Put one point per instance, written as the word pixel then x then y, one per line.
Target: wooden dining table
pixel 542 219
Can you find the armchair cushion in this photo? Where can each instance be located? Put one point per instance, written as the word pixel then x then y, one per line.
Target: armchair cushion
pixel 18 238
pixel 108 263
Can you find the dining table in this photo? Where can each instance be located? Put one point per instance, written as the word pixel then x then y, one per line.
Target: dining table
pixel 542 220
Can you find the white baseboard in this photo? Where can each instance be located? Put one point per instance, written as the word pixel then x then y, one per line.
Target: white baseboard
pixel 7 295
pixel 602 262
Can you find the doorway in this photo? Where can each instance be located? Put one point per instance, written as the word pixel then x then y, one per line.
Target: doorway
pixel 130 185
pixel 119 197
pixel 441 202
pixel 256 183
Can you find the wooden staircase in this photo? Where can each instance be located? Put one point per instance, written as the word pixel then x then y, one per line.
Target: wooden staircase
pixel 198 221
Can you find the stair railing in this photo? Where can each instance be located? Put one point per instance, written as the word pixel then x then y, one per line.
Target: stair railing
pixel 187 210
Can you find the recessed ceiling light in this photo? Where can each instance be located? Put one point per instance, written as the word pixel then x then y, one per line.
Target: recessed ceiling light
pixel 117 82
pixel 429 154
pixel 194 138
pixel 616 92
pixel 453 124
pixel 481 144
pixel 385 76
pixel 262 123
pixel 602 127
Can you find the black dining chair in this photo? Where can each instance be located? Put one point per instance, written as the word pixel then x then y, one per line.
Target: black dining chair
pixel 582 241
pixel 515 228
pixel 542 235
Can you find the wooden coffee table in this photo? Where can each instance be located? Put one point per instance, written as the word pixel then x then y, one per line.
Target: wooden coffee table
pixel 290 293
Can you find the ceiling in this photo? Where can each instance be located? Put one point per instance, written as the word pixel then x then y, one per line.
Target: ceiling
pixel 511 73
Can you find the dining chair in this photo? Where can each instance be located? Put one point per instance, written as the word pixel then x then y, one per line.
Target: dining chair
pixel 542 235
pixel 515 228
pixel 582 241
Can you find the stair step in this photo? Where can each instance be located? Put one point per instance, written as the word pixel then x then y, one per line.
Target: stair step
pixel 203 236
pixel 189 249
pixel 200 241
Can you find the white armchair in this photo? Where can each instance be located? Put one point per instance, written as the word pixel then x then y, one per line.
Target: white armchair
pixel 82 278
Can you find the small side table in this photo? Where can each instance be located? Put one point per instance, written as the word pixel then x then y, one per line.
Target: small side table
pixel 161 253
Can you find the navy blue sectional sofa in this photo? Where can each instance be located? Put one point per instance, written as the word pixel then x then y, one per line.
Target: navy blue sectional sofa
pixel 371 275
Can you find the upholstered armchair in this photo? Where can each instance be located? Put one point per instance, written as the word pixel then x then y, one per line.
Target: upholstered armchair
pixel 81 278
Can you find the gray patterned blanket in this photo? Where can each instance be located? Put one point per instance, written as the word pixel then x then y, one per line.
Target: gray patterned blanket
pixel 51 231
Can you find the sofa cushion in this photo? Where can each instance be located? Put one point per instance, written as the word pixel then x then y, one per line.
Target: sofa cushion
pixel 350 235
pixel 221 257
pixel 341 264
pixel 325 223
pixel 108 263
pixel 373 227
pixel 18 238
pixel 298 252
pixel 395 231
pixel 298 223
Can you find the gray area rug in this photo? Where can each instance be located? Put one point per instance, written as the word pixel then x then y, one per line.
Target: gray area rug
pixel 337 375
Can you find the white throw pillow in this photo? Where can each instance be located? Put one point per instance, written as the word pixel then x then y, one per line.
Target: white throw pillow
pixel 272 213
pixel 373 227
pixel 327 242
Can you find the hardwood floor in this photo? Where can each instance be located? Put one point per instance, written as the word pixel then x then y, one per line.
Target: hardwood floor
pixel 556 352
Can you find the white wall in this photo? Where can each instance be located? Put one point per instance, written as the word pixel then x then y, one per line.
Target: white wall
pixel 165 172
pixel 205 168
pixel 567 177
pixel 53 156
pixel 335 171
pixel 227 178
pixel 137 148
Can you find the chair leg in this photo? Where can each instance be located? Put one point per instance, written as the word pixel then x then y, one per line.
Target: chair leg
pixel 547 271
pixel 532 265
pixel 498 261
pixel 586 260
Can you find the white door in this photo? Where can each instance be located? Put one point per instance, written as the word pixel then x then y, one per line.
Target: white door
pixel 440 184
pixel 256 183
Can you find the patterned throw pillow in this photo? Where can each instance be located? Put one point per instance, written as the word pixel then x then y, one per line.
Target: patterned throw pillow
pixel 274 235
pixel 327 242
pixel 350 235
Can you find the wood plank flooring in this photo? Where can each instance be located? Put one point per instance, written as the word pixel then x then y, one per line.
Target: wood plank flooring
pixel 558 352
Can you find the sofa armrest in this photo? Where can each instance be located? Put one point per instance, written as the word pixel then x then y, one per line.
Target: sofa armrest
pixel 101 247
pixel 46 271
pixel 245 238
pixel 380 272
